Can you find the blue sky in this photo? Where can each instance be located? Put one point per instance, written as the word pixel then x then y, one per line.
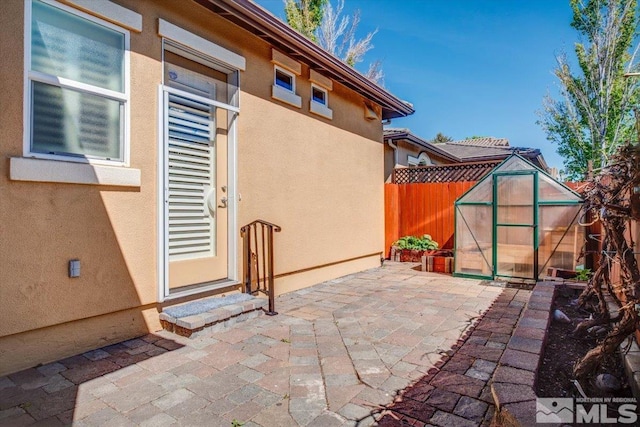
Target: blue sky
pixel 470 67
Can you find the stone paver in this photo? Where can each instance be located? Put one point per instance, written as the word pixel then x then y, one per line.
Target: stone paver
pixel 386 346
pixel 520 359
pixel 470 409
pixel 506 374
pixel 457 390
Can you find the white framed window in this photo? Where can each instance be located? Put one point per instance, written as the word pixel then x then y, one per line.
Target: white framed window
pixel 284 79
pixel 76 86
pixel 284 87
pixel 319 103
pixel 319 95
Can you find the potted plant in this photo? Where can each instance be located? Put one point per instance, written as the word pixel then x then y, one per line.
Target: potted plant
pixel 412 249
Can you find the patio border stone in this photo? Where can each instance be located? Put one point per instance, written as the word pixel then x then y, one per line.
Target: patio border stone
pixel 517 371
pixel 630 358
pixel 513 382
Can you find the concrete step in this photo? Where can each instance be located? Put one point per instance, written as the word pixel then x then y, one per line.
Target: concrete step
pixel 213 314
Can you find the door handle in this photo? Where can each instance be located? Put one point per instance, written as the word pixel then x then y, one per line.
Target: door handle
pixel 223 202
pixel 211 201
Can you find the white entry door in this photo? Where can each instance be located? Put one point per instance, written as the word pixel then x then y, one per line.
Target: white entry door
pixel 196 199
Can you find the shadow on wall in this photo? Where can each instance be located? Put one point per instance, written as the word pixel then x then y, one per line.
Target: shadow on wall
pixel 49 314
pixel 49 394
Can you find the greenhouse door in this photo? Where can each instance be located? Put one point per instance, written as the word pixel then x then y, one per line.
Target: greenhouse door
pixel 515 214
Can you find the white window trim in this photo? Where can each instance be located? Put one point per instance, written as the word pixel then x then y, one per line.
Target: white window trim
pixel 319 108
pixel 173 32
pixel 282 94
pixel 30 75
pixel 288 73
pixel 323 90
pixel 42 170
pixel 111 12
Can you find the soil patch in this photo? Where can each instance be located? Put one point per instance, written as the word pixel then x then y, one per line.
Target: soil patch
pixel 562 351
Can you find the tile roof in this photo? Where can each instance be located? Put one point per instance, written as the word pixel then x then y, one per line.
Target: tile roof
pixel 469 150
pixel 467 153
pixel 487 141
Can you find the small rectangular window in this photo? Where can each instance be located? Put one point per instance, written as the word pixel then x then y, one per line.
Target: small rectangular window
pixel 284 79
pixel 77 85
pixel 319 95
pixel 284 87
pixel 319 103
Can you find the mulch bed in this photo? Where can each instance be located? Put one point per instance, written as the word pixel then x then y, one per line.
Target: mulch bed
pixel 563 351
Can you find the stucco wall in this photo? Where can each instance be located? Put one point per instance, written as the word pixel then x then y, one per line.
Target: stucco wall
pixel 320 180
pixel 44 225
pixel 321 184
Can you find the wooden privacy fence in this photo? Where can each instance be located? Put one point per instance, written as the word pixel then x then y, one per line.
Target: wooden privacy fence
pixel 422 208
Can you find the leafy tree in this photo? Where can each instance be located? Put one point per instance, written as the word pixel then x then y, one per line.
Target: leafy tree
pixel 594 115
pixel 305 16
pixel 334 32
pixel 440 138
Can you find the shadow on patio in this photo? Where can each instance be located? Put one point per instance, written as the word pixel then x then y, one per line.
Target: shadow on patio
pixel 456 390
pixel 59 392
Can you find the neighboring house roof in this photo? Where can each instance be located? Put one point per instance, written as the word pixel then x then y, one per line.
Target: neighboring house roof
pixel 487 141
pixel 475 153
pixel 444 173
pixel 470 150
pixel 395 134
pixel 479 153
pixel 259 21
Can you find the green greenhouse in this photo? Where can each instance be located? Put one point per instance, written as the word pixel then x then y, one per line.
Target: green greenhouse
pixel 517 222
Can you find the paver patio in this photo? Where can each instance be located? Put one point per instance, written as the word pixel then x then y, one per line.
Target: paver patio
pixel 385 344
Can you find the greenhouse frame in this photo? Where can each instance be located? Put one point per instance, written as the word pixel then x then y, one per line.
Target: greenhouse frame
pixel 517 222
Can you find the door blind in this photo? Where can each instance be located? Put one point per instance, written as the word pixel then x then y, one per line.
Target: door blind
pixel 191 182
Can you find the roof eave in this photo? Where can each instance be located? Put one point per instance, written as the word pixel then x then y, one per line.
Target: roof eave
pixel 260 22
pixel 408 136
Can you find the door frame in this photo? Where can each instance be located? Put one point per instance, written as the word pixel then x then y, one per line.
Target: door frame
pixel 232 195
pixel 534 226
pixel 199 49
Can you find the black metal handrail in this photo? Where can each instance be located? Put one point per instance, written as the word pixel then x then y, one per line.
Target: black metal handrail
pixel 258 260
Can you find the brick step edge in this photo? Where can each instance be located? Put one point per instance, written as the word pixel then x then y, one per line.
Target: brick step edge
pixel 215 320
pixel 513 384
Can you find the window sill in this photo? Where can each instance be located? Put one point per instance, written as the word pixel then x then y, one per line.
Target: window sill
pixel 28 169
pixel 321 110
pixel 285 96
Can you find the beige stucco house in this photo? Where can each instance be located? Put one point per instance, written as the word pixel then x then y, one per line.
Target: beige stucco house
pixel 138 136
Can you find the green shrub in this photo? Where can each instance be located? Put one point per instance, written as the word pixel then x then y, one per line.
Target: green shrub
pixel 583 274
pixel 424 243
